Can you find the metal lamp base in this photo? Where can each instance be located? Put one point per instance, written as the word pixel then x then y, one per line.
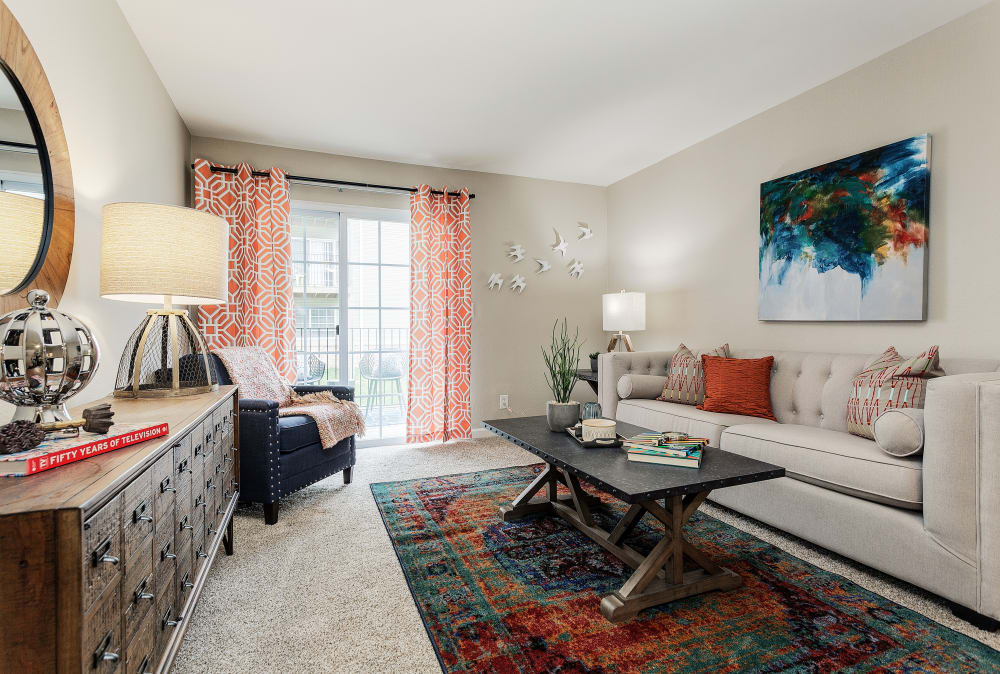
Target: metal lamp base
pixel 167 357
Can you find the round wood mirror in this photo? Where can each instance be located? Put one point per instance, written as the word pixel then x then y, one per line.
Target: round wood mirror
pixel 36 185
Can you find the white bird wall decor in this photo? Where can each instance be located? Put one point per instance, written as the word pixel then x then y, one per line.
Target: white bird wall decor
pixel 543 265
pixel 516 252
pixel 585 231
pixel 576 268
pixel 496 281
pixel 518 283
pixel 560 245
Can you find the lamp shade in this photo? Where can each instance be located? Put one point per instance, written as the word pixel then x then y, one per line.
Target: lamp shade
pixel 624 311
pixel 22 221
pixel 149 251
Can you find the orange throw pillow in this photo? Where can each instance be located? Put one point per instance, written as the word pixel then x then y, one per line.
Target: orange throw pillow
pixel 738 386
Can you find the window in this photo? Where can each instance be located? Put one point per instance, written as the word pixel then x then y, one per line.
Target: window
pixel 351 276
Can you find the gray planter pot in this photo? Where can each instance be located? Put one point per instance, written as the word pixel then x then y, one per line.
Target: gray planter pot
pixel 561 416
pixel 593 365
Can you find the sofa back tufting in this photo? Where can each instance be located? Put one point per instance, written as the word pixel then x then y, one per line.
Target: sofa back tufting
pixel 807 388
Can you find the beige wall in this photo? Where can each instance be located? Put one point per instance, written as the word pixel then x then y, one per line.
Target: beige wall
pixel 507 328
pixel 686 229
pixel 126 143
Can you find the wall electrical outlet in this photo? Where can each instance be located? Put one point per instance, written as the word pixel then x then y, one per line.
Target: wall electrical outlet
pixel 504 401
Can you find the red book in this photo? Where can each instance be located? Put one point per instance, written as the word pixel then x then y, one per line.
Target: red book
pixel 63 451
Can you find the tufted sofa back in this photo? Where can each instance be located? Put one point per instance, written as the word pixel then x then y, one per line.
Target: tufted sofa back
pixel 810 389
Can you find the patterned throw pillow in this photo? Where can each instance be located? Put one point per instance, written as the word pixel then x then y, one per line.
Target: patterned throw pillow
pixel 686 379
pixel 889 382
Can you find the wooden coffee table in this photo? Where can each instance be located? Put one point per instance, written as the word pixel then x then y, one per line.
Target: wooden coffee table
pixel 659 576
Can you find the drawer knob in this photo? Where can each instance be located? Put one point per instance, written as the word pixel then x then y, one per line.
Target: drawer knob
pixel 165 486
pixel 166 554
pixel 168 620
pixel 144 666
pixel 211 530
pixel 185 583
pixel 210 484
pixel 184 524
pixel 138 515
pixel 202 553
pixel 140 592
pixel 197 450
pixel 102 554
pixel 182 467
pixel 102 654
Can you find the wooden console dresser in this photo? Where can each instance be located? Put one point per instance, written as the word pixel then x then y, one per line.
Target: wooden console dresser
pixel 102 561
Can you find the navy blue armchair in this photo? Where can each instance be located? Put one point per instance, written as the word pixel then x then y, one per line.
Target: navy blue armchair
pixel 280 455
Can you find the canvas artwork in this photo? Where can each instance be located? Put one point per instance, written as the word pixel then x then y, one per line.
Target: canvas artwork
pixel 847 241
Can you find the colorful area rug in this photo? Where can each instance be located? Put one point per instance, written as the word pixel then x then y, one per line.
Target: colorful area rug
pixel 524 596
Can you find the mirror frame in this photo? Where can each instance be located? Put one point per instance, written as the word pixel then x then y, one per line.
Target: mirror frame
pixel 32 86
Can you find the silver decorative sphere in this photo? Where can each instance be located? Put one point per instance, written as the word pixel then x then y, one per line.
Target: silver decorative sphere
pixel 46 357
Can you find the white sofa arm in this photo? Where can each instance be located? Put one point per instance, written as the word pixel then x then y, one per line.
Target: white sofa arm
pixel 961 475
pixel 612 366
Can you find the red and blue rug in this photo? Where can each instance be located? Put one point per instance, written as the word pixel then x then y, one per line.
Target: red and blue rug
pixel 524 596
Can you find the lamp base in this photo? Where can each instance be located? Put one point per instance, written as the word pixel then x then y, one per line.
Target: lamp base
pixel 166 357
pixel 625 340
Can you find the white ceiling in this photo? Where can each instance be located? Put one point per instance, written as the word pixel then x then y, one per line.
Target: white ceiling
pixel 581 90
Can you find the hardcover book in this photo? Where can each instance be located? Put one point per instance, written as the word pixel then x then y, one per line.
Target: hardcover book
pixel 62 451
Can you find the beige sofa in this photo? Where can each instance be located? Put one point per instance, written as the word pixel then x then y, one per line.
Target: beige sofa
pixel 932 520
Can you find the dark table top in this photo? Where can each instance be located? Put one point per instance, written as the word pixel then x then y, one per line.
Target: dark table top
pixel 586 374
pixel 610 470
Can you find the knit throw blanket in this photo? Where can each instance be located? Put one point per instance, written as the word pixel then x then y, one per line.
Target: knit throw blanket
pixel 254 372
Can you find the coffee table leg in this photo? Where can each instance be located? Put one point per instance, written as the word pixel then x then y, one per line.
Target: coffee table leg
pixel 651 584
pixel 550 477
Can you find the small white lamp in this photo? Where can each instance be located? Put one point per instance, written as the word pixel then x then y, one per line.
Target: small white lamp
pixel 624 311
pixel 155 253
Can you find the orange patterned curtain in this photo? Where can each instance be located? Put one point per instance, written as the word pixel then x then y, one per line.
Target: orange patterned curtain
pixel 439 405
pixel 260 310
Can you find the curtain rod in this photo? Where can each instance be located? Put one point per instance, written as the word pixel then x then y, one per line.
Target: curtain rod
pixel 335 183
pixel 18 147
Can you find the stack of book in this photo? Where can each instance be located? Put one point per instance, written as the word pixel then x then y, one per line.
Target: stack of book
pixel 651 448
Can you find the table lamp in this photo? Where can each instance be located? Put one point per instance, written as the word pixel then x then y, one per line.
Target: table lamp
pixel 623 311
pixel 156 253
pixel 22 221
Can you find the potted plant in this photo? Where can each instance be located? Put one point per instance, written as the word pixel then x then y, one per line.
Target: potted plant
pixel 593 360
pixel 562 360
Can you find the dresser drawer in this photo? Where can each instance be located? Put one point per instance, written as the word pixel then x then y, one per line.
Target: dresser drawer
pixel 137 569
pixel 182 532
pixel 102 633
pixel 140 654
pixel 200 554
pixel 164 485
pixel 139 598
pixel 208 434
pixel 199 449
pixel 137 513
pixel 183 579
pixel 102 550
pixel 183 458
pixel 165 618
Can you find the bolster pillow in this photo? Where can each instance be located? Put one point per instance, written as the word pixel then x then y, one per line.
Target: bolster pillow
pixel 900 431
pixel 645 386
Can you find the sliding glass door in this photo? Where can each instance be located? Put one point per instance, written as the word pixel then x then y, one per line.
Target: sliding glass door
pixel 352 288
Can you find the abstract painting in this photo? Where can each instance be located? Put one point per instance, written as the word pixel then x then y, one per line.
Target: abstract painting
pixel 847 241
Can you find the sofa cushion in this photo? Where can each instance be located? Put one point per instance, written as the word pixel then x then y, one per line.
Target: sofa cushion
pixel 658 415
pixel 738 386
pixel 889 382
pixel 296 432
pixel 686 377
pixel 640 386
pixel 832 459
pixel 900 431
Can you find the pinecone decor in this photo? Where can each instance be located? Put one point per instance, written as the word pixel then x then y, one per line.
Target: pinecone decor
pixel 18 436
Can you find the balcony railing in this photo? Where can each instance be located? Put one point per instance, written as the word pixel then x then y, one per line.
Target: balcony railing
pixel 377 367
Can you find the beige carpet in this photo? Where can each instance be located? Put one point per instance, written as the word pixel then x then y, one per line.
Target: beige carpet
pixel 322 591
